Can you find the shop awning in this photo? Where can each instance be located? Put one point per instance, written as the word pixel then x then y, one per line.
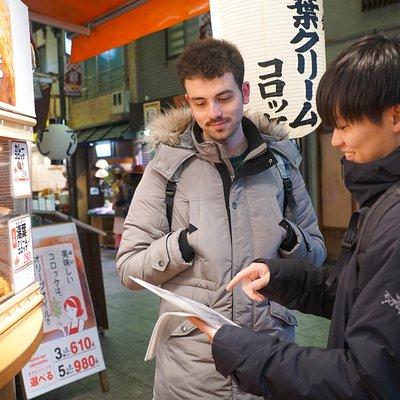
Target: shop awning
pixel 104 132
pixel 104 24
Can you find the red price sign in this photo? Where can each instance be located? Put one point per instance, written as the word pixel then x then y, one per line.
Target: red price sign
pixel 84 363
pixel 81 345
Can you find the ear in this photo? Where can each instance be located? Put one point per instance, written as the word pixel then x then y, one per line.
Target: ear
pixel 188 100
pixel 396 118
pixel 246 92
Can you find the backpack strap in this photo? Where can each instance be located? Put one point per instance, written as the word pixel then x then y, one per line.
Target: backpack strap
pixel 368 219
pixel 385 202
pixel 284 169
pixel 170 190
pixel 348 243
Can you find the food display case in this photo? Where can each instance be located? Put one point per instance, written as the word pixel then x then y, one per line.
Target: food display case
pixel 21 317
pixel 20 298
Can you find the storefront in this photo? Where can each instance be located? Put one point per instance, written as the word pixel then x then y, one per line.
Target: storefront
pixel 105 153
pixel 20 298
pixel 21 317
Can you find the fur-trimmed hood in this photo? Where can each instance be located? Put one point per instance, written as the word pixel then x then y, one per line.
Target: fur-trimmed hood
pixel 173 128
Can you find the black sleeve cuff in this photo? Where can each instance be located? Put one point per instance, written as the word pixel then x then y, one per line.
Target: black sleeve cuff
pixel 184 246
pixel 242 353
pixel 226 357
pixel 283 272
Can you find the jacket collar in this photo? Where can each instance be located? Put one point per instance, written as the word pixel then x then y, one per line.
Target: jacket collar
pixel 176 137
pixel 368 181
pixel 174 128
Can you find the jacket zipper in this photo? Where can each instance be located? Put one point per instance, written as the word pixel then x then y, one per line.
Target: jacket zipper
pixel 226 184
pixel 227 180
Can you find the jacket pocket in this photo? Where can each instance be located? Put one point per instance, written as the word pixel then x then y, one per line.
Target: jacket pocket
pixel 282 313
pixel 265 218
pixel 159 256
pixel 183 329
pixel 275 320
pixel 193 225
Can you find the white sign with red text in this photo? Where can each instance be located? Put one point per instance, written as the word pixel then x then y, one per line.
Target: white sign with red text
pixel 21 252
pixel 63 361
pixel 70 348
pixel 21 182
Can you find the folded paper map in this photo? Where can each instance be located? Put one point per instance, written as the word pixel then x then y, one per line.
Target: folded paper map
pixel 169 321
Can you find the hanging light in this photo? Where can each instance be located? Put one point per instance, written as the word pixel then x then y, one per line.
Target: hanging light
pixel 101 173
pixel 101 164
pixel 58 141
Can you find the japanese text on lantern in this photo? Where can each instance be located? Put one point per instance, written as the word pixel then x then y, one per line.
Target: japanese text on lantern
pixel 273 87
pixel 306 23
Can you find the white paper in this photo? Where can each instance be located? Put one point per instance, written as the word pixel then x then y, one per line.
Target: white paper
pixel 21 182
pixel 163 328
pixel 21 251
pixel 169 321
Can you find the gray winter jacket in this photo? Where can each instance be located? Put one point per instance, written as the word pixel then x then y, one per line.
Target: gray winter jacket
pixel 234 220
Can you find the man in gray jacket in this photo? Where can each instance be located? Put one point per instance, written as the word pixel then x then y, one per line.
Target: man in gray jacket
pixel 229 208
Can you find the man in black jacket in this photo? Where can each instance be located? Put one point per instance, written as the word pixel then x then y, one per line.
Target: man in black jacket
pixel 359 95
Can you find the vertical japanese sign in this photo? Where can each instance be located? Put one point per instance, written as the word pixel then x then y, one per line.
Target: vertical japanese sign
pixel 70 349
pixel 73 79
pixel 283 46
pixel 21 253
pixel 21 183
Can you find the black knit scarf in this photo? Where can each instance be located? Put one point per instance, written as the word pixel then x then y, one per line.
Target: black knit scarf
pixel 368 181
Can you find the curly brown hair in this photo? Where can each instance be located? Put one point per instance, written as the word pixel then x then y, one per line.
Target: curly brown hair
pixel 210 58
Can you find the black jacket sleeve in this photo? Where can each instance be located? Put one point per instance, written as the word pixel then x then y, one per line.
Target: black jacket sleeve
pixel 301 286
pixel 262 365
pixel 367 367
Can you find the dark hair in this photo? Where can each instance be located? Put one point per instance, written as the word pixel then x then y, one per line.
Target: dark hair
pixel 210 58
pixel 363 81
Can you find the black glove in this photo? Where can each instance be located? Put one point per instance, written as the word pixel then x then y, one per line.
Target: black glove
pixel 290 239
pixel 186 250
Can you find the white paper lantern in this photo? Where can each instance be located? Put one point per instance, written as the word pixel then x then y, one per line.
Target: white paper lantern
pixel 57 142
pixel 101 173
pixel 283 46
pixel 102 163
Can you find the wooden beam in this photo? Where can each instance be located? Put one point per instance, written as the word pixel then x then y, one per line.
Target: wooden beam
pixel 115 12
pixel 68 26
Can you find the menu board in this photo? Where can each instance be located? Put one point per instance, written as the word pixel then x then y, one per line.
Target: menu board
pixel 70 348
